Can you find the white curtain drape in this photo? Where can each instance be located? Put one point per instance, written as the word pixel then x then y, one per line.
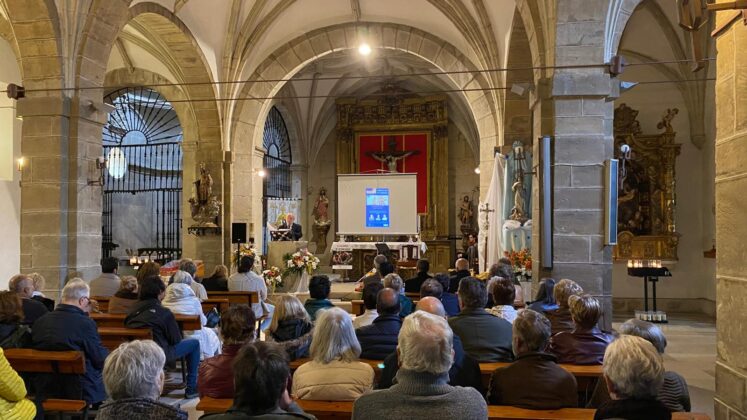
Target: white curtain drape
pixel 491 222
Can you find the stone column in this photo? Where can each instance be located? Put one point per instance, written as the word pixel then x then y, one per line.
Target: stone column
pixel 731 230
pixel 60 196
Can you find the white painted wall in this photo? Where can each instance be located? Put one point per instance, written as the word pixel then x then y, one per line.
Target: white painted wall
pixel 10 190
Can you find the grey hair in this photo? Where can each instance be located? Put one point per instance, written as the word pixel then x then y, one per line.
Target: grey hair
pixel 393 281
pixel 634 368
pixel 183 277
pixel 533 329
pixel 188 265
pixel 334 337
pixel 74 290
pixel 646 331
pixel 17 283
pixel 426 343
pixel 472 293
pixel 133 370
pixel 378 260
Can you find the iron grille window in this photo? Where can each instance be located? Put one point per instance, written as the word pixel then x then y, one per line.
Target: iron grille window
pixel 142 143
pixel 277 159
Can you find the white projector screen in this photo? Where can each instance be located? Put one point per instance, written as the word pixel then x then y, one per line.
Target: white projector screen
pixel 377 204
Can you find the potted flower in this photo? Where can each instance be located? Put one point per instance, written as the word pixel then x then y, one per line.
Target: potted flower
pixel 273 278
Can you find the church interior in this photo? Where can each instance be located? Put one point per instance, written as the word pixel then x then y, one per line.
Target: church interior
pixel 602 141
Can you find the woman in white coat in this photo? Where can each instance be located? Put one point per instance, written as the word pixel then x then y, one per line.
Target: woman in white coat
pixel 180 299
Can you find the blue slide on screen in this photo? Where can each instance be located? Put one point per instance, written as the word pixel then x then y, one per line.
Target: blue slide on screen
pixel 377 207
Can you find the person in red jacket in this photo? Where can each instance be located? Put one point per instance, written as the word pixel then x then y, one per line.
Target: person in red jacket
pixel 215 376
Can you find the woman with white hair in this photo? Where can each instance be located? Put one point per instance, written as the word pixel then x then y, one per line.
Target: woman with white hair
pixel 395 282
pixel 180 299
pixel 133 377
pixel 334 373
pixel 633 371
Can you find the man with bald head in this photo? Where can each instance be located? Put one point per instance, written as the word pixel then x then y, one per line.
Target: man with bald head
pixel 462 270
pixel 464 372
pixel 379 339
pixel 23 286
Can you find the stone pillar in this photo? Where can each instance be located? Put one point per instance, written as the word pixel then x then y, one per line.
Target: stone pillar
pixel 60 201
pixel 731 230
pixel 583 140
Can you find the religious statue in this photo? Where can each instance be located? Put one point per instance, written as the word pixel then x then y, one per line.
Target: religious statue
pixel 666 120
pixel 204 206
pixel 518 212
pixel 321 206
pixel 321 221
pixel 204 185
pixel 465 211
pixel 392 156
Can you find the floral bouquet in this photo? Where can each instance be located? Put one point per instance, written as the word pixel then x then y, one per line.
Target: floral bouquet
pixel 273 278
pixel 521 261
pixel 300 262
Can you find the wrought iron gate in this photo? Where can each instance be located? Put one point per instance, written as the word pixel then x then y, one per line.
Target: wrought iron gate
pixel 142 143
pixel 276 163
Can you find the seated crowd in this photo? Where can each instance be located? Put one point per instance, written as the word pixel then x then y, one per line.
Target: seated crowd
pixel 429 352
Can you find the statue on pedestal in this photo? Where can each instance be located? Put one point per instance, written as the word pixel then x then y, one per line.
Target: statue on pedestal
pixel 321 221
pixel 518 212
pixel 204 206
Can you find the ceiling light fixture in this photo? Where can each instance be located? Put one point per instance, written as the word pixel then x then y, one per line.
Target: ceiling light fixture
pixel 364 49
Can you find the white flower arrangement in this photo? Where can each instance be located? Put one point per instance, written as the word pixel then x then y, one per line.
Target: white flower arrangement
pixel 301 261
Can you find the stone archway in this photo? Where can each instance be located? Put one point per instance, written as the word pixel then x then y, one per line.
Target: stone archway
pixel 246 126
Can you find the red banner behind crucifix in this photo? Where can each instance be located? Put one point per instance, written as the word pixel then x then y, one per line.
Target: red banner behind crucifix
pixel 405 153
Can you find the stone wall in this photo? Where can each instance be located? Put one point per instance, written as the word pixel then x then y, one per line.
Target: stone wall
pixel 731 229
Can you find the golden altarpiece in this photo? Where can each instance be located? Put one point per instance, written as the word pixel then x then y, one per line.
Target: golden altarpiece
pixel 647 201
pixel 392 114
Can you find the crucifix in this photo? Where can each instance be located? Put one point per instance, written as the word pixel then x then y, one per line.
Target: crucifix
pixel 486 225
pixel 392 156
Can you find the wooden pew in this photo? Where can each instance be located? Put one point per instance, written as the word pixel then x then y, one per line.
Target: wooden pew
pixel 586 376
pixel 112 337
pixel 186 322
pixel 344 409
pixel 210 303
pixel 62 362
pixel 236 298
pixel 103 302
pixel 358 307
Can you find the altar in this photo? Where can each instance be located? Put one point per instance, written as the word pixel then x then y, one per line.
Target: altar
pixel 360 255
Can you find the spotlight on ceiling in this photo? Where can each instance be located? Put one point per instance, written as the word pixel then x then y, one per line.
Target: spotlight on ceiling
pixel 477 171
pixel 364 49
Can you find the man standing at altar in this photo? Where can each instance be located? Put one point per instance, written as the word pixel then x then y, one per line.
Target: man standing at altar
pixel 295 229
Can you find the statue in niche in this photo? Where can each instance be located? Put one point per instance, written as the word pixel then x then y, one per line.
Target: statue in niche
pixel 204 206
pixel 321 221
pixel 392 156
pixel 518 212
pixel 466 211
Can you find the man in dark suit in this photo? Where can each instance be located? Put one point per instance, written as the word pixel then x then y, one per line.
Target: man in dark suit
pixel 23 286
pixel 462 271
pixel 295 229
pixel 379 339
pixel 413 285
pixel 485 337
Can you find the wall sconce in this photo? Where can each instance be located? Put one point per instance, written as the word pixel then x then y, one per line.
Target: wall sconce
pixel 100 167
pixel 262 173
pixel 21 162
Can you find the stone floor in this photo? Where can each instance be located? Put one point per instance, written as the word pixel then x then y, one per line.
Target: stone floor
pixel 691 352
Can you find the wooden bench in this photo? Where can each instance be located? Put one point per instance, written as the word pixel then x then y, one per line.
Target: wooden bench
pixel 210 303
pixel 112 337
pixel 62 362
pixel 103 302
pixel 358 307
pixel 186 322
pixel 586 376
pixel 236 298
pixel 344 409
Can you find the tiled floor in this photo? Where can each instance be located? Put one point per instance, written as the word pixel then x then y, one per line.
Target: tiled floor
pixel 691 352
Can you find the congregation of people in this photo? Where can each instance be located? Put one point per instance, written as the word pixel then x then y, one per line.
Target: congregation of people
pixel 430 351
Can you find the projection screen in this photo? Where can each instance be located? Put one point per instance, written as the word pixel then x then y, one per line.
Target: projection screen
pixel 377 204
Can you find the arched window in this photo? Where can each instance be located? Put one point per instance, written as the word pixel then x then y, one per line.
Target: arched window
pixel 277 159
pixel 143 181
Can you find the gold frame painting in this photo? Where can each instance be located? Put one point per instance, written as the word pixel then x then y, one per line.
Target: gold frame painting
pixel 647 199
